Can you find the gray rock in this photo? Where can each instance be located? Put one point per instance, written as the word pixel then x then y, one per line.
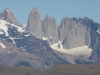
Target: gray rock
pixel 74 34
pixel 34 25
pixel 8 15
pixel 65 27
pixel 50 29
pixel 95 45
pixel 95 38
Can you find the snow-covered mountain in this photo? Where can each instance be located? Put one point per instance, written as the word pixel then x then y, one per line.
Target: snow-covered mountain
pixel 74 41
pixel 19 48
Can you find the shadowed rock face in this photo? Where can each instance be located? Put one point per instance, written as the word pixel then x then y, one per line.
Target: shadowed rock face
pixel 8 15
pixel 34 25
pixel 50 29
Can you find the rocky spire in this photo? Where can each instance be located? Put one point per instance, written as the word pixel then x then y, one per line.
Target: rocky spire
pixel 74 34
pixel 8 14
pixel 34 25
pixel 50 29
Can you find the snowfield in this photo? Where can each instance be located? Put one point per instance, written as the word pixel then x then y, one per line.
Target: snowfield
pixel 44 38
pixel 2 45
pixel 4 27
pixel 79 51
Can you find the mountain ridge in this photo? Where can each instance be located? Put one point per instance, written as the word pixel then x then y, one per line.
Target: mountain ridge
pixel 44 44
pixel 72 33
pixel 57 69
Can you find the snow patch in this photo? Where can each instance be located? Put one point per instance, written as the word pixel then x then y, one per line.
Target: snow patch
pixel 13 40
pixel 79 51
pixel 23 49
pixel 20 29
pixel 3 26
pixel 27 35
pixel 74 28
pixel 98 31
pixel 2 45
pixel 44 38
pixel 44 47
pixel 1 32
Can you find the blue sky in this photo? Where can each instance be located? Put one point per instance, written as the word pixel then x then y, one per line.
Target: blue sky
pixel 56 8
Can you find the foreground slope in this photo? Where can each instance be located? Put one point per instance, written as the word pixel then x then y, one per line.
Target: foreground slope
pixel 55 70
pixel 6 70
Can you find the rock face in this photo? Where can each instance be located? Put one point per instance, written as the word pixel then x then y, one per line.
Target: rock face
pixel 65 27
pixel 34 25
pixel 8 15
pixel 50 29
pixel 95 38
pixel 74 34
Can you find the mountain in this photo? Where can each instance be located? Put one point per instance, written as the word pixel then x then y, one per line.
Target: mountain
pixel 34 25
pixel 75 34
pixel 77 39
pixel 43 44
pixel 50 29
pixel 19 48
pixel 8 15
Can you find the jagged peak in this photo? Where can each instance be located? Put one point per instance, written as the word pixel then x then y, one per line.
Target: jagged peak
pixel 74 18
pixel 65 18
pixel 35 9
pixel 8 15
pixel 49 17
pixel 8 10
pixel 46 16
pixel 86 18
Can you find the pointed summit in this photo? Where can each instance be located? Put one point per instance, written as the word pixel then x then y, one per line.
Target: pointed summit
pixel 8 15
pixel 50 29
pixel 46 16
pixel 7 10
pixel 34 25
pixel 35 9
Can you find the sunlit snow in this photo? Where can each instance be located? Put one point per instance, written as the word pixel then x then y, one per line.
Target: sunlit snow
pixel 44 38
pixel 79 51
pixel 98 31
pixel 3 26
pixel 1 32
pixel 2 45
